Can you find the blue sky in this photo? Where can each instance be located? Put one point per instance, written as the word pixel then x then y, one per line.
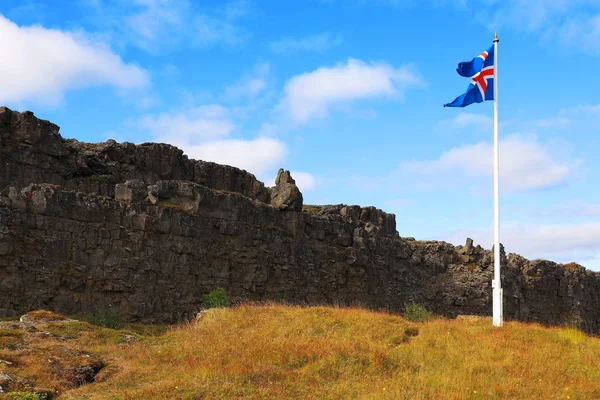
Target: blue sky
pixel 347 94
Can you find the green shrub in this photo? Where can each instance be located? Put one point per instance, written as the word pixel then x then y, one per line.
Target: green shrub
pixel 27 396
pixel 107 318
pixel 416 312
pixel 216 298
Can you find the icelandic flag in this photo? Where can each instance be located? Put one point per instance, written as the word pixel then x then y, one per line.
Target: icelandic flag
pixel 481 72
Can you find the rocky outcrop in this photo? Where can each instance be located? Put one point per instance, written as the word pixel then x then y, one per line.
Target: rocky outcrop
pixel 153 260
pixel 32 151
pixel 372 218
pixel 286 195
pixel 151 249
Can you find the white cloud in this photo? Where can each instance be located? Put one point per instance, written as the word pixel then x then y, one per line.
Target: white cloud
pixel 221 25
pixel 583 110
pixel 209 31
pixel 318 43
pixel 552 122
pixel 573 23
pixel 190 127
pixel 250 86
pixel 563 243
pixel 583 32
pixel 576 208
pixel 206 133
pixel 463 120
pixel 305 181
pixel 523 15
pixel 257 156
pixel 45 63
pixel 163 26
pixel 171 71
pixel 237 9
pixel 314 94
pixel 436 3
pixel 154 22
pixel 525 164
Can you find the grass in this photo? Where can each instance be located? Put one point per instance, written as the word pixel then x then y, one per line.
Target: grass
pixel 11 318
pixel 311 209
pixel 214 299
pixel 27 396
pixel 107 318
pixel 416 312
pixel 283 352
pixel 45 315
pixel 56 353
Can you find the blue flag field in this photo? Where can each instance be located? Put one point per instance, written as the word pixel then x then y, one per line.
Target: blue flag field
pixel 481 72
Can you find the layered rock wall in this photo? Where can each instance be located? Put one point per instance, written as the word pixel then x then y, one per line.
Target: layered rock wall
pixel 150 247
pixel 32 151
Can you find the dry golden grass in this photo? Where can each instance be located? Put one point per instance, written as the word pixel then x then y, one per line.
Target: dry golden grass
pixel 281 352
pixel 277 352
pixel 44 315
pixel 57 354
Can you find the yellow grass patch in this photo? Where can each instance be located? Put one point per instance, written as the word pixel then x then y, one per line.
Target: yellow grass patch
pixel 277 352
pixel 44 315
pixel 281 352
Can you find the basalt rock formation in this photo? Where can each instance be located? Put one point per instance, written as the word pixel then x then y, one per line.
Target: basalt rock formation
pixel 33 151
pixel 144 230
pixel 286 195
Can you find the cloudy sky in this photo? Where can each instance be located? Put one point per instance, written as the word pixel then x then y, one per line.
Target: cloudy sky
pixel 347 94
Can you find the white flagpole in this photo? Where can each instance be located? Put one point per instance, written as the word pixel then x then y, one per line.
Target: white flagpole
pixel 496 284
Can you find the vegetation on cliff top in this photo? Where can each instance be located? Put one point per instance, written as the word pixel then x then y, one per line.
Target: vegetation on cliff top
pixel 274 351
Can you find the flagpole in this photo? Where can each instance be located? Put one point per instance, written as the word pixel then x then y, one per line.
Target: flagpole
pixel 496 284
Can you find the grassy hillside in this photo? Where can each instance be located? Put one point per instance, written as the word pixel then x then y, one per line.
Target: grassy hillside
pixel 279 352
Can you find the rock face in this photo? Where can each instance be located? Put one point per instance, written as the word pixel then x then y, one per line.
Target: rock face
pixel 32 151
pixel 286 195
pixel 162 230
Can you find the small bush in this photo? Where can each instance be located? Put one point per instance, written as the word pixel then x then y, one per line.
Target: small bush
pixel 107 318
pixel 27 396
pixel 216 298
pixel 416 312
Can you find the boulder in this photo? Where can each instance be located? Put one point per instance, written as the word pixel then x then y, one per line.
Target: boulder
pixel 285 195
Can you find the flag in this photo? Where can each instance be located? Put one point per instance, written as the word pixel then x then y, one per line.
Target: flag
pixel 481 72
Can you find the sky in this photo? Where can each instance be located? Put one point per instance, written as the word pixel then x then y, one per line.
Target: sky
pixel 346 94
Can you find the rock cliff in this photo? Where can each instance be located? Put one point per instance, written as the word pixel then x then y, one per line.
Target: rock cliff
pixel 147 231
pixel 32 151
